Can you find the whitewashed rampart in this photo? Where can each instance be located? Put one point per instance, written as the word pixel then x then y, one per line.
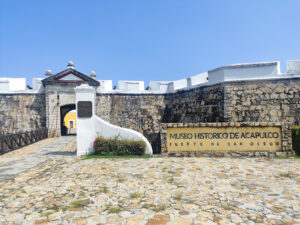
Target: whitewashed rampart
pixel 235 72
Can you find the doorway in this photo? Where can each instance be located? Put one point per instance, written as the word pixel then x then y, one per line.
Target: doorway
pixel 68 119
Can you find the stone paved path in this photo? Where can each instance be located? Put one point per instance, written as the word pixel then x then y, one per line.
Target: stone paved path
pixel 18 161
pixel 155 191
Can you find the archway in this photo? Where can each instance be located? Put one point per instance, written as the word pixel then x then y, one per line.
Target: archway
pixel 67 127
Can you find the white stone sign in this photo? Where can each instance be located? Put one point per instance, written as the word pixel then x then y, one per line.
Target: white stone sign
pixel 88 128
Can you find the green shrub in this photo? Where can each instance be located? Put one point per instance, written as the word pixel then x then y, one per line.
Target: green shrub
pixel 118 147
pixel 296 139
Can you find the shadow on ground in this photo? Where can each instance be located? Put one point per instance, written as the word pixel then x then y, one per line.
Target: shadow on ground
pixel 67 153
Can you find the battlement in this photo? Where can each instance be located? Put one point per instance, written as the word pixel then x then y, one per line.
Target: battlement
pixel 252 92
pixel 234 72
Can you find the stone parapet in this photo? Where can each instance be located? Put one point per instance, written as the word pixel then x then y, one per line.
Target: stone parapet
pixel 269 100
pixel 22 112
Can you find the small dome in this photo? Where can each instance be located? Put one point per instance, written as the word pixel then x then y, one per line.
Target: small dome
pixel 93 74
pixel 48 72
pixel 70 64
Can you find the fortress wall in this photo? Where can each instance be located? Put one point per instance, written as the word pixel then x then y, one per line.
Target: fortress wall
pixel 142 113
pixel 273 100
pixel 202 104
pixel 22 112
pixel 146 112
pixel 244 101
pixel 263 101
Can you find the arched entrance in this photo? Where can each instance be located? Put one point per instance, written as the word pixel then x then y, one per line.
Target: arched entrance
pixel 70 126
pixel 60 96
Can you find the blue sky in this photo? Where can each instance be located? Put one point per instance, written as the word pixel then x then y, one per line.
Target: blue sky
pixel 144 39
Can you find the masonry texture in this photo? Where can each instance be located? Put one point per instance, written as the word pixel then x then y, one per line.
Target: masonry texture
pixel 203 104
pixel 263 101
pixel 22 112
pixel 245 101
pixel 142 113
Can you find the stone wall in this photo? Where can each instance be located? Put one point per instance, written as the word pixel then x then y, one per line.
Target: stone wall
pixel 22 112
pixel 59 101
pixel 142 113
pixel 244 101
pixel 145 113
pixel 263 101
pixel 202 104
pixel 247 101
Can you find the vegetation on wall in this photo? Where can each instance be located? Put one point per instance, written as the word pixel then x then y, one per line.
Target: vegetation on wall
pixel 116 146
pixel 296 139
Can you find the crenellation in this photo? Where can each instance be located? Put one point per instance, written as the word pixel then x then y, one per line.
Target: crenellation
pixel 264 98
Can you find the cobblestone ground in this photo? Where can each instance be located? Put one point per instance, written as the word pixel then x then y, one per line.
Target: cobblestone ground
pixel 15 162
pixel 68 190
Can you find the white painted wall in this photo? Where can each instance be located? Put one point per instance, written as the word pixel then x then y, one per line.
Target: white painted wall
pixel 14 84
pixel 131 86
pixel 160 86
pixel 197 79
pixel 293 66
pixel 70 77
pixel 252 72
pixel 180 84
pixel 4 85
pixel 105 85
pixel 89 128
pixel 86 132
pixel 235 72
pixel 216 76
pixel 37 85
pixel 247 71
